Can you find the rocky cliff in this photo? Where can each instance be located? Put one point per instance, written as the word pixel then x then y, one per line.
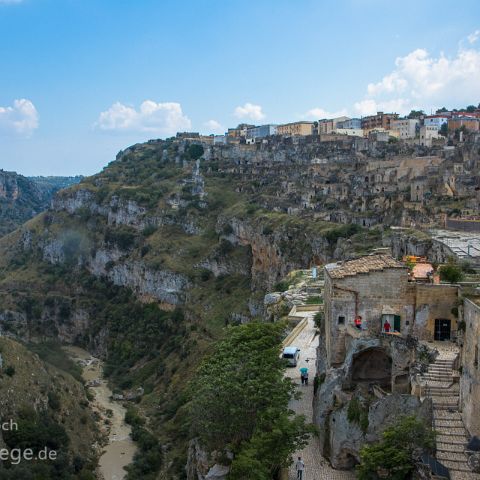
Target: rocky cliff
pixel 22 198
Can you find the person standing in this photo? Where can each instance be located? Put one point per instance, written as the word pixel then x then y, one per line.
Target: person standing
pixel 300 468
pixel 304 375
pixel 387 326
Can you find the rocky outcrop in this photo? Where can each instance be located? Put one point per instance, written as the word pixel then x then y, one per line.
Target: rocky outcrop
pixel 201 466
pixel 347 438
pixel 163 285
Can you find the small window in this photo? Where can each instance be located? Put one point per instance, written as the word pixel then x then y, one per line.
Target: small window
pixel 341 320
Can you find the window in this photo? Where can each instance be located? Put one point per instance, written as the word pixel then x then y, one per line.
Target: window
pixel 341 320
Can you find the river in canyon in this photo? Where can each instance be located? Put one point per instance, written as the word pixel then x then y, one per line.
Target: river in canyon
pixel 120 449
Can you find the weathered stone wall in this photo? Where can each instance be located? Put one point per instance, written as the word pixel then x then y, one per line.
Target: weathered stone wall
pixel 434 302
pixel 470 379
pixel 379 292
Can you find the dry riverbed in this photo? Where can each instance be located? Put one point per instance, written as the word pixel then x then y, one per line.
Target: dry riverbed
pixel 119 450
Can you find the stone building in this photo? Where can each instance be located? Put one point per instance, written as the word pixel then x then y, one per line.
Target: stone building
pixel 377 289
pixel 470 379
pixel 380 120
pixel 295 128
pixel 406 127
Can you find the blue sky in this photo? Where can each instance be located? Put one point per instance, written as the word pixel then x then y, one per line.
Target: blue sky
pixel 82 79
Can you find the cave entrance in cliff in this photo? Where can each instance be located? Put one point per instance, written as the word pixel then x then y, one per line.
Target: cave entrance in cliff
pixel 372 366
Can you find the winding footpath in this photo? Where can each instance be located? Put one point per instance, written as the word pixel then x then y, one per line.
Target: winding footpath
pixel 316 467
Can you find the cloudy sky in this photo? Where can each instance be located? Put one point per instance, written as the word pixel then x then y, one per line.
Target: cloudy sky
pixel 82 79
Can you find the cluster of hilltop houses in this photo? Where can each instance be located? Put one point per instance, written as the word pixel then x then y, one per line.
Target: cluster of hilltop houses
pixel 421 128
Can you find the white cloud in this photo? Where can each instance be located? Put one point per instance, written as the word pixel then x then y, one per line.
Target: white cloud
pixel 319 113
pixel 370 106
pixel 420 80
pixel 21 118
pixel 214 127
pixel 473 37
pixel 249 111
pixel 154 118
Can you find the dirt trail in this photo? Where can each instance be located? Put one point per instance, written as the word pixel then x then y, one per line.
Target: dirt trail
pixel 120 448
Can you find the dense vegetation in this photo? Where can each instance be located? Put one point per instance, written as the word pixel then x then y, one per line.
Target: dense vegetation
pixel 240 403
pixel 395 454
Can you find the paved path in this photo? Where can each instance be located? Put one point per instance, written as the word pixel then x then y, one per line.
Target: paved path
pixel 316 467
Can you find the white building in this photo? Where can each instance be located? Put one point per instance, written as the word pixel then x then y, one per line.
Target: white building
pixel 261 131
pixel 435 121
pixel 354 132
pixel 406 127
pixel 427 134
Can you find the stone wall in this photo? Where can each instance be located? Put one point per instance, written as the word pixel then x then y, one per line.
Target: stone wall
pixel 470 379
pixel 377 293
pixel 434 302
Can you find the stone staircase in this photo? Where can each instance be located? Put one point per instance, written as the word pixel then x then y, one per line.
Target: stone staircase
pixel 447 421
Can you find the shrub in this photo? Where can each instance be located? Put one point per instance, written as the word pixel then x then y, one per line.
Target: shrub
pixel 123 237
pixel 281 286
pixel 451 272
pixel 394 454
pixel 54 401
pixel 195 151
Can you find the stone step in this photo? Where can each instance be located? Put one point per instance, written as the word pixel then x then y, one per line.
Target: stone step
pixel 464 476
pixel 450 401
pixel 443 415
pixel 456 466
pixel 451 447
pixel 438 375
pixel 446 370
pixel 442 392
pixel 452 439
pixel 450 432
pixel 452 457
pixel 449 423
pixel 437 384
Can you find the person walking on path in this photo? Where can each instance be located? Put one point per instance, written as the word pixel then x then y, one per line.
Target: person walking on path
pixel 300 468
pixel 304 375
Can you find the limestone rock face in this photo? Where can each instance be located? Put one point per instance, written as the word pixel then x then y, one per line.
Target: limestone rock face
pixel 347 439
pixel 166 286
pixel 200 467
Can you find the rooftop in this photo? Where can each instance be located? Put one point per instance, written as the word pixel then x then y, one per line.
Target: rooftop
pixel 369 263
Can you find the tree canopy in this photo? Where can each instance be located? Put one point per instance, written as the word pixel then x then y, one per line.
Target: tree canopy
pixel 240 402
pixel 393 456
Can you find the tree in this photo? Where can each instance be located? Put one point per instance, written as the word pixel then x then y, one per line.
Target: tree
pixel 441 110
pixel 416 113
pixel 444 129
pixel 195 151
pixel 470 108
pixel 393 456
pixel 240 402
pixel 451 272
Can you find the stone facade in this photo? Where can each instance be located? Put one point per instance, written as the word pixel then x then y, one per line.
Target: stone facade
pixel 379 293
pixel 470 379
